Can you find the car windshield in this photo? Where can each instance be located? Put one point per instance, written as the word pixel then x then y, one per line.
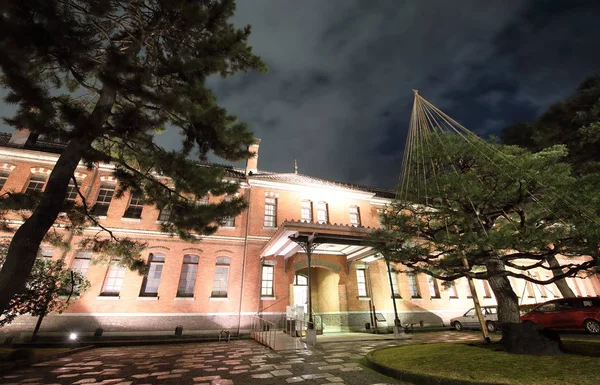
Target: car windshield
pixel 470 313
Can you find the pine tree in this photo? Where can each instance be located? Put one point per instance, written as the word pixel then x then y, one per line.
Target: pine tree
pixel 575 123
pixel 106 76
pixel 498 206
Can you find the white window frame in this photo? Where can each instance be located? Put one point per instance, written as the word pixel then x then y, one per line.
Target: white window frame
pixel 151 282
pixel 361 282
pixel 267 282
pixel 270 219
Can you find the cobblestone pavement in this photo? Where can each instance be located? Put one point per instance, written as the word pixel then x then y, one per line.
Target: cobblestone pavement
pixel 237 362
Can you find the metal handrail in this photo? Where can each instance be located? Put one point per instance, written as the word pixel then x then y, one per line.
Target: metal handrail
pixel 263 331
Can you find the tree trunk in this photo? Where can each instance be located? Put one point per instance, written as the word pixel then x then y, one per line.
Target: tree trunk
pixel 508 302
pixel 561 284
pixel 26 241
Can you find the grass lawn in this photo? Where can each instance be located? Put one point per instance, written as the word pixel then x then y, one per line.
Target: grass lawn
pixel 38 352
pixel 476 363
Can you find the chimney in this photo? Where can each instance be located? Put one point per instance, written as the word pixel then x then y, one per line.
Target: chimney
pixel 19 137
pixel 252 163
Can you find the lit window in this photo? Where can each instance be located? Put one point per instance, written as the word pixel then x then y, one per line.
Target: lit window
pixel 36 182
pixel 221 277
pixel 452 292
pixel 361 280
pixel 301 280
pixel 47 251
pixel 395 292
pixel 381 214
pixel 187 281
pixel 266 286
pixel 541 288
pixel 270 212
pixel 105 195
pixel 114 280
pixel 354 216
pixel 487 293
pixel 136 205
pixel 164 215
pixel 529 287
pixel 203 200
pixel 72 191
pixel 414 286
pixel 81 263
pixel 3 177
pixel 228 222
pixel 322 214
pixel 434 291
pixel 306 211
pixel 576 286
pixel 152 278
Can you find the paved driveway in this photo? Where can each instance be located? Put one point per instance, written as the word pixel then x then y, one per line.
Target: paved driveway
pixel 237 362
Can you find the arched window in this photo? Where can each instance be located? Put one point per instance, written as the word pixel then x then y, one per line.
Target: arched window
pixel 221 277
pixel 300 280
pixel 152 278
pixel 306 211
pixel 114 279
pixel 187 280
pixel 322 213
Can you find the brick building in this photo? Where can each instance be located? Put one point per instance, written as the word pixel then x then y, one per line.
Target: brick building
pixel 250 266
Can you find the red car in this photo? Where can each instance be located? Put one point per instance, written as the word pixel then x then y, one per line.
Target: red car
pixel 568 314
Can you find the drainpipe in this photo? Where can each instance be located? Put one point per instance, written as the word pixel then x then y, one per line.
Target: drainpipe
pixel 244 262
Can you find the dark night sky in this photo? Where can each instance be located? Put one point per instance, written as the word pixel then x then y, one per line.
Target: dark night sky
pixel 338 93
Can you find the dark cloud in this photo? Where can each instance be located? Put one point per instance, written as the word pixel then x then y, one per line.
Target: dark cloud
pixel 338 95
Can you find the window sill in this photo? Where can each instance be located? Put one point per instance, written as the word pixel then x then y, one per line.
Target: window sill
pixel 108 297
pixel 226 227
pixel 436 297
pixel 99 216
pixel 184 298
pixel 143 298
pixel 397 297
pixel 453 298
pixel 269 228
pixel 268 298
pixel 489 297
pixel 364 298
pixel 218 299
pixel 136 220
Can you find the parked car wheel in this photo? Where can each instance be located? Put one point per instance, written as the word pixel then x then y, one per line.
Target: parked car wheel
pixel 491 326
pixel 591 326
pixel 458 326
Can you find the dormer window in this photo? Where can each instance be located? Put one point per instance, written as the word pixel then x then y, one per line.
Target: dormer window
pixel 354 216
pixel 322 213
pixel 306 211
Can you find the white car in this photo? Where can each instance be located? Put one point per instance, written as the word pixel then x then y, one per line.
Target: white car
pixel 469 319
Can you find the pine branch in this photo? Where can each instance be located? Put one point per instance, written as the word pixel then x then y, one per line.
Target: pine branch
pixel 88 215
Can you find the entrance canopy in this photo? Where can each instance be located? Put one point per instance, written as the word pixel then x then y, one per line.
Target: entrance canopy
pixel 326 238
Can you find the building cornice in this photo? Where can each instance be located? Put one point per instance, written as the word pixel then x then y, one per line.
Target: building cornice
pixel 310 190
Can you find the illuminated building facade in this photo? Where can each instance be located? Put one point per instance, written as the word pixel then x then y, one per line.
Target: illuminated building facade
pixel 250 266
